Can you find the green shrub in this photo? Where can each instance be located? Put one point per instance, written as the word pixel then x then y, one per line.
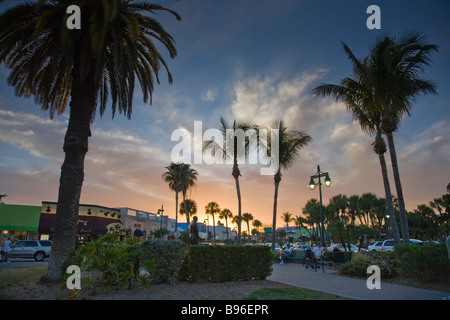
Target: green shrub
pixel 117 262
pixel 168 256
pixel 428 262
pixel 229 263
pixel 386 261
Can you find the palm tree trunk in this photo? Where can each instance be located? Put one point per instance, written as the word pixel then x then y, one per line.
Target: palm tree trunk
pixel 398 186
pixel 388 194
pixel 236 173
pixel 277 179
pixel 176 211
pixel 72 175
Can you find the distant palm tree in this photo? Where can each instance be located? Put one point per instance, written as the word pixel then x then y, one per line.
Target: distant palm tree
pixel 86 66
pixel 212 209
pixel 191 207
pixel 234 154
pixel 289 145
pixel 188 180
pixel 247 217
pixel 226 214
pixel 173 177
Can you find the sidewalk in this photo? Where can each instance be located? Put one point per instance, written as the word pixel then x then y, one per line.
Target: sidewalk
pixel 296 274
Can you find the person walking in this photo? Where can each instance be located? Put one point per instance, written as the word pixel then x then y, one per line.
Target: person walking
pixel 7 249
pixel 194 231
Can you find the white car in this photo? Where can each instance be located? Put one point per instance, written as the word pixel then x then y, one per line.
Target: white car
pixel 36 249
pixel 388 245
pixel 375 246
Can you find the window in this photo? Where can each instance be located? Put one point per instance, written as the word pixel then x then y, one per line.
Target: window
pixel 31 244
pixel 20 244
pixel 45 243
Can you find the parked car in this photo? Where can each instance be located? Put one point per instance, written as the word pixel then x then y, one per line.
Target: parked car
pixel 339 246
pixel 388 245
pixel 35 249
pixel 375 246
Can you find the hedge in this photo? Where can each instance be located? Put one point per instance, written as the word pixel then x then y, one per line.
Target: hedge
pixel 229 263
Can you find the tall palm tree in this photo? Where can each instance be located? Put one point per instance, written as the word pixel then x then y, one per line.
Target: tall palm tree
pixel 191 207
pixel 82 69
pixel 234 154
pixel 360 98
pixel 173 177
pixel 290 142
pixel 212 209
pixel 397 63
pixel 247 217
pixel 188 180
pixel 226 214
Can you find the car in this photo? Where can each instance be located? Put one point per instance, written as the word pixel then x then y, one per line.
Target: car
pixel 375 246
pixel 35 249
pixel 388 245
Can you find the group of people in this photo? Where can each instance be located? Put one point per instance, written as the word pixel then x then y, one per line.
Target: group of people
pixel 287 251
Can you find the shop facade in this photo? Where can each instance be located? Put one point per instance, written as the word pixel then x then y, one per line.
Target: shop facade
pixel 20 222
pixel 142 224
pixel 93 221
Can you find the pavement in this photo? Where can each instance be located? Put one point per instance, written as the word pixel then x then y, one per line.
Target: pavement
pixel 295 274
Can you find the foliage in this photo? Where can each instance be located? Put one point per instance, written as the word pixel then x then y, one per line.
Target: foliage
pixel 386 261
pixel 428 262
pixel 229 263
pixel 168 256
pixel 118 262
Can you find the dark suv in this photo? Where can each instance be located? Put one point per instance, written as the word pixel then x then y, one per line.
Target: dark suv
pixel 36 249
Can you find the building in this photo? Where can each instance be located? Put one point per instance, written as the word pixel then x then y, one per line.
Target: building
pixel 93 221
pixel 19 221
pixel 140 223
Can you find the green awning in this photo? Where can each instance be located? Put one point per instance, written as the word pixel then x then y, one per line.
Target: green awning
pixel 19 217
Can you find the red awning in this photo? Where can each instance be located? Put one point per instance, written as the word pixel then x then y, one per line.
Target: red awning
pixel 87 225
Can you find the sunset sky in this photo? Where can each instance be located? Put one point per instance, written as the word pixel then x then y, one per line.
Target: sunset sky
pixel 252 60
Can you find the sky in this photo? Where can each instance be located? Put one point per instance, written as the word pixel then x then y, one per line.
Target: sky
pixel 247 60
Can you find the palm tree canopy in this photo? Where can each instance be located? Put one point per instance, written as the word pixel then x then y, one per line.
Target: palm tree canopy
pixel 212 208
pixel 191 207
pixel 173 176
pixel 113 48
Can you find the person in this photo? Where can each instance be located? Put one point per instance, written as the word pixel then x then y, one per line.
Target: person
pixel 318 251
pixel 194 231
pixel 7 249
pixel 285 253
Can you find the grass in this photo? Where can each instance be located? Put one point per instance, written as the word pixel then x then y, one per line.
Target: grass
pixel 291 294
pixel 11 276
pixel 16 276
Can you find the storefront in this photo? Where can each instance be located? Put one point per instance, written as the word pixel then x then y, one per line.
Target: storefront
pixel 140 223
pixel 19 221
pixel 93 221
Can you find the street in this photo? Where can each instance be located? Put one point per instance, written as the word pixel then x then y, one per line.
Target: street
pixel 21 263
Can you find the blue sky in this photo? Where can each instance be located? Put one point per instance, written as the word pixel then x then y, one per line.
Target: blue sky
pixel 246 60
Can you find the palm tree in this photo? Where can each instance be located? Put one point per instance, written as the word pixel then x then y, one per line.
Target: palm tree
pixel 360 98
pixel 188 180
pixel 191 207
pixel 397 64
pixel 85 66
pixel 247 217
pixel 290 143
pixel 234 155
pixel 173 177
pixel 226 214
pixel 212 208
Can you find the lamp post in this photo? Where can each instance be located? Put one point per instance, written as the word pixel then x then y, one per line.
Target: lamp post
pixel 160 214
pixel 312 185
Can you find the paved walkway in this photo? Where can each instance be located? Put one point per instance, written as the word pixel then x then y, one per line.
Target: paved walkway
pixel 296 274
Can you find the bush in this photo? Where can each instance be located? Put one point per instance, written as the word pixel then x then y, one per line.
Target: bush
pixel 168 256
pixel 229 263
pixel 386 261
pixel 118 262
pixel 428 262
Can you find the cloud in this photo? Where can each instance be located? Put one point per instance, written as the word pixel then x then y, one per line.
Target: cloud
pixel 209 96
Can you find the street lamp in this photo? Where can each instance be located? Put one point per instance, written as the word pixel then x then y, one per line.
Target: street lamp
pixel 312 185
pixel 160 214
